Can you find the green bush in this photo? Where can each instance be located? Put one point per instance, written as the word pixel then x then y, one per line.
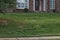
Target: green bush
pixel 26 10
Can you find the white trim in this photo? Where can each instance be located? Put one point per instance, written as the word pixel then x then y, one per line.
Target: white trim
pixel 28 3
pixel 40 7
pixel 33 5
pixel 44 5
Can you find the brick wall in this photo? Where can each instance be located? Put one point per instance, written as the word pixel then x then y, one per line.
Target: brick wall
pixel 57 5
pixel 30 5
pixel 48 5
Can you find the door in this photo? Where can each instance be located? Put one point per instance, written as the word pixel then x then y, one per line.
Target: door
pixel 36 5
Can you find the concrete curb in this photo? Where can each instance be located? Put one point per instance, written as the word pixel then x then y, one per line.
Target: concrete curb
pixel 32 38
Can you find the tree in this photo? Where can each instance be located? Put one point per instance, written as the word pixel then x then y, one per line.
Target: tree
pixel 7 4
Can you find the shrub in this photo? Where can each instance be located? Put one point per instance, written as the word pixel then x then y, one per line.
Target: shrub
pixel 26 10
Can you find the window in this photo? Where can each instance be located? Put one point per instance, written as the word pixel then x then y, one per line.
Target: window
pixel 25 0
pixel 26 5
pixel 52 4
pixel 21 4
pixel 18 4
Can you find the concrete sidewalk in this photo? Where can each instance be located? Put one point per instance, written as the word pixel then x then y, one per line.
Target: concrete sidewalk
pixel 32 38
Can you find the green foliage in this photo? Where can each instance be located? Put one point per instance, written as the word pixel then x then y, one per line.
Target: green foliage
pixel 5 4
pixel 26 10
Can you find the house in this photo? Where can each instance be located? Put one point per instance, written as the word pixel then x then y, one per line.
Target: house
pixel 38 5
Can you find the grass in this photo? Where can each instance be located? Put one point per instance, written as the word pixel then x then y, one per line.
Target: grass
pixel 30 24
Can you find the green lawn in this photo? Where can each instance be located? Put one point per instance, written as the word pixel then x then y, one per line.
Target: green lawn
pixel 30 24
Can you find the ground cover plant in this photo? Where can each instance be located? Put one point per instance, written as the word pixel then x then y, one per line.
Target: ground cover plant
pixel 29 24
